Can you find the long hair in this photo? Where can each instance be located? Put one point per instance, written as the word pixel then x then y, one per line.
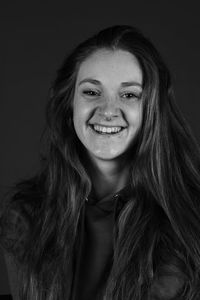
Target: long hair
pixel 157 233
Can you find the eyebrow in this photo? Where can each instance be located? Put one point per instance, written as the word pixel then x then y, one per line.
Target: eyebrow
pixel 123 84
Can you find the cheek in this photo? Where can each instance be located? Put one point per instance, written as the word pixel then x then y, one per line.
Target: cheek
pixel 135 117
pixel 80 115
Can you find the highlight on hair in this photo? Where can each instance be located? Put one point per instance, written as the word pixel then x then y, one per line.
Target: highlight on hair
pixel 157 234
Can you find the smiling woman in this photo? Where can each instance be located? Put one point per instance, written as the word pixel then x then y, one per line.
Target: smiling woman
pixel 114 212
pixel 107 114
pixel 106 119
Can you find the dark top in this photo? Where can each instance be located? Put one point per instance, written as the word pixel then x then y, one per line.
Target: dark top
pixel 94 253
pixel 94 250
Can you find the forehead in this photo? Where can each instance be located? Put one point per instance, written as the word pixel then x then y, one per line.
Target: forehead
pixel 111 66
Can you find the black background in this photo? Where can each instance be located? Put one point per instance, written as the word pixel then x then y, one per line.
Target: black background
pixel 35 37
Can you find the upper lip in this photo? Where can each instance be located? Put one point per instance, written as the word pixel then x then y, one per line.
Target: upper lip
pixel 106 125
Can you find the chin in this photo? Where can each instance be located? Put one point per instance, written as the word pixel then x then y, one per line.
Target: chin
pixel 107 155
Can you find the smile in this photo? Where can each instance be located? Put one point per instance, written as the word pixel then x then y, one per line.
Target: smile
pixel 106 130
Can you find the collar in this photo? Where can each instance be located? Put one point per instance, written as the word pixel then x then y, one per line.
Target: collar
pixel 112 202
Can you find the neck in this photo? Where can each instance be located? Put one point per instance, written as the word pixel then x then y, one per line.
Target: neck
pixel 108 177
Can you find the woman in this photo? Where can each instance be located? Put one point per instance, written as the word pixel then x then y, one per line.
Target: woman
pixel 114 212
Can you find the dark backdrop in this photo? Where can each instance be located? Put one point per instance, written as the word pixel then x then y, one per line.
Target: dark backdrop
pixel 34 39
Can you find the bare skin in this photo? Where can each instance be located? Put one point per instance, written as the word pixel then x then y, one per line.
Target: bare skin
pixel 107 178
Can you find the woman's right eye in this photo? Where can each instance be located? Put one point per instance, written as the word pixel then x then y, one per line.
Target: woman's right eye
pixel 91 93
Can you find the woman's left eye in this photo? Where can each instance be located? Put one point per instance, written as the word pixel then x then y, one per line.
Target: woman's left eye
pixel 130 95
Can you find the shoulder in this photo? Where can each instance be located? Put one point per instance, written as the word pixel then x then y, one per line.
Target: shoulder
pixel 169 283
pixel 17 216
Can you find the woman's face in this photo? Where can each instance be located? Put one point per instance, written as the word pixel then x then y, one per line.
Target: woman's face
pixel 108 99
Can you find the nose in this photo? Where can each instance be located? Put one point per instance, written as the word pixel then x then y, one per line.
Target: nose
pixel 109 108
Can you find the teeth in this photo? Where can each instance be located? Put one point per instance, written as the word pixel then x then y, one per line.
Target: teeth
pixel 107 129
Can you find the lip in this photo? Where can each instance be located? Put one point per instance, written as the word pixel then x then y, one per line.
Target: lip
pixel 110 125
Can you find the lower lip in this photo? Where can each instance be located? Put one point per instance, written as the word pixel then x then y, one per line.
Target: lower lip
pixel 107 134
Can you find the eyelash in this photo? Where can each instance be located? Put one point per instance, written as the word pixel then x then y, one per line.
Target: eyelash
pixel 89 93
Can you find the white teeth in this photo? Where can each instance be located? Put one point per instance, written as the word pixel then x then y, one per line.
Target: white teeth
pixel 107 129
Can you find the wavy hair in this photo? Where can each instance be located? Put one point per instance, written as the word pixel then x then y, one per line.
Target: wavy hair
pixel 157 233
